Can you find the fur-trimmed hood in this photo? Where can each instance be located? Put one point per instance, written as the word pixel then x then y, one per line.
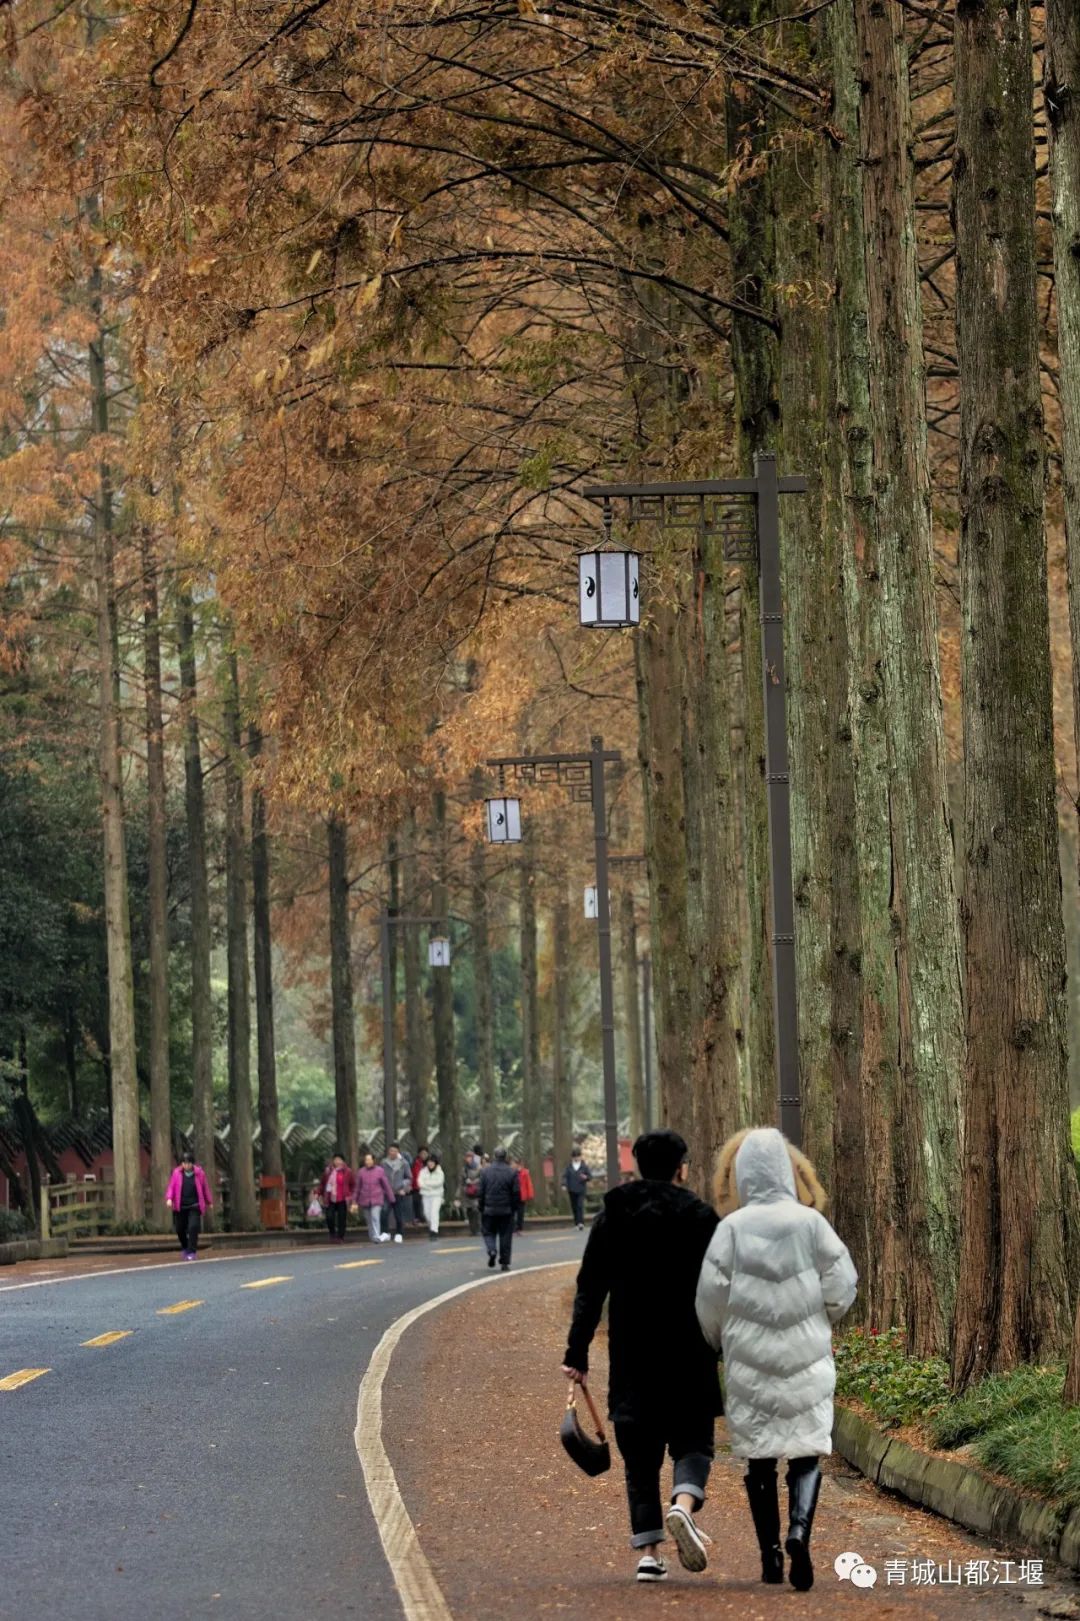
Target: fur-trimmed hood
pixel 808 1188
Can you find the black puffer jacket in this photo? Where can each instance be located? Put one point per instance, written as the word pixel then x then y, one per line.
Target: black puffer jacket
pixel 500 1190
pixel 645 1250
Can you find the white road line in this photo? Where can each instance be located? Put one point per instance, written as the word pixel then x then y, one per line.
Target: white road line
pixel 421 1596
pixel 159 1266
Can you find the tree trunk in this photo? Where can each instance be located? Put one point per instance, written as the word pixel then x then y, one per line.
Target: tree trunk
pixel 659 661
pixel 485 1002
pixel 341 991
pixel 128 1192
pixel 442 997
pixel 243 1205
pixel 1061 87
pixel 814 619
pixel 755 365
pixel 635 1070
pixel 531 1077
pixel 562 1092
pixel 202 1007
pixel 863 948
pixel 269 1123
pixel 924 951
pixel 158 893
pixel 417 1042
pixel 1019 1188
pixel 714 861
pixel 393 907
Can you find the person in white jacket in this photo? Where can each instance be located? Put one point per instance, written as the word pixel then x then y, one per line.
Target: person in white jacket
pixel 432 1185
pixel 774 1280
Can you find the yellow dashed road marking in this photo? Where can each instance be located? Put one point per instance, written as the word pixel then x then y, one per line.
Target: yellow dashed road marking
pixel 264 1283
pixel 460 1249
pixel 181 1305
pixel 347 1266
pixel 560 1240
pixel 22 1377
pixel 110 1338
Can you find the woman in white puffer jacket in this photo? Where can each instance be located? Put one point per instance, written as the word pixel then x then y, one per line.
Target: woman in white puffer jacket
pixel 774 1280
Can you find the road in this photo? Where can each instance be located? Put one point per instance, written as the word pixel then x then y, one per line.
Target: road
pixel 203 1464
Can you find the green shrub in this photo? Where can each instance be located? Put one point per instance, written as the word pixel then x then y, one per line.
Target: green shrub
pixel 12 1226
pixel 995 1401
pixel 875 1370
pixel 128 1229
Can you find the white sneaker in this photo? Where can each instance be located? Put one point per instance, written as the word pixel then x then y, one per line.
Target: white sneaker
pixel 688 1539
pixel 397 1238
pixel 384 1238
pixel 651 1570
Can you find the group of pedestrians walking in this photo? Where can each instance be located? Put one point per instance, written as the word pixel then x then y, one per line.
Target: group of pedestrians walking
pixel 390 1193
pixel 760 1280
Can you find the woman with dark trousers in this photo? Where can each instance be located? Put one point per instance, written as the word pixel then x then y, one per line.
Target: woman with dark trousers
pixel 336 1190
pixel 188 1197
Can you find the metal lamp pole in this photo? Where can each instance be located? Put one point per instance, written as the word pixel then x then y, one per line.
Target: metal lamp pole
pixel 583 776
pixel 745 512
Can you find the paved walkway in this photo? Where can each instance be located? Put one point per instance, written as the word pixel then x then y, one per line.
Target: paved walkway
pixel 471 1411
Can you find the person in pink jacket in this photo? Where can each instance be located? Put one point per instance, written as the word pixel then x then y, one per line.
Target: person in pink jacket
pixel 188 1197
pixel 373 1190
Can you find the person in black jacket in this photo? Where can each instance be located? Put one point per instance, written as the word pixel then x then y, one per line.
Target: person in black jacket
pixel 499 1197
pixel 645 1251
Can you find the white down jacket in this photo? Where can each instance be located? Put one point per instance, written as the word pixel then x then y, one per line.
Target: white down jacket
pixel 774 1279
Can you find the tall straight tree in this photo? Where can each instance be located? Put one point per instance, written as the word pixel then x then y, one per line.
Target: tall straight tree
pixel 922 954
pixel 442 998
pixel 1061 88
pixel 485 1000
pixel 243 1205
pixel 341 989
pixel 262 940
pixel 562 1089
pixel 635 1053
pixel 417 1041
pixel 1019 1187
pixel 755 361
pixel 531 1074
pixel 202 1008
pixel 157 886
pixel 124 1084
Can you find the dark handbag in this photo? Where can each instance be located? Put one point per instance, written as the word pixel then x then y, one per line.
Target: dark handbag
pixel 592 1456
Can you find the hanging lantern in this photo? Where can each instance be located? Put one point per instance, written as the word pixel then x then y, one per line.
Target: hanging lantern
pixel 609 589
pixel 503 820
pixel 438 953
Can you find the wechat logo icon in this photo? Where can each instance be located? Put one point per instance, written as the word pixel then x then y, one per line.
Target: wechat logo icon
pixel 852 1567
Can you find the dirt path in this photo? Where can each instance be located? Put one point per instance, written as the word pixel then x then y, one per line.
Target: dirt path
pixel 471 1411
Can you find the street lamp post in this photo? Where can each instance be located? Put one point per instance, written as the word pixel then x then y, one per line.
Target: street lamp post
pixel 745 512
pixel 388 920
pixel 582 775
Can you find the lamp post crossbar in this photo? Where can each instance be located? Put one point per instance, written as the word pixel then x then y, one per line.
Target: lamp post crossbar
pixel 751 534
pixel 588 790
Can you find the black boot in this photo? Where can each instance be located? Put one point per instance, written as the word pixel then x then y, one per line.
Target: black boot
pixel 804 1483
pixel 761 1491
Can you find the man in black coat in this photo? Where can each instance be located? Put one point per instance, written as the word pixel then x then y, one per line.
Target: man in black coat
pixel 645 1251
pixel 499 1198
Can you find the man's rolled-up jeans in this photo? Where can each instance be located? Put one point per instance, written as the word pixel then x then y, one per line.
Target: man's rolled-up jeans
pixel 642 1443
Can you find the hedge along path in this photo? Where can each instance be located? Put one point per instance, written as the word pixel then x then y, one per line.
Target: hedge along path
pixel 421 1596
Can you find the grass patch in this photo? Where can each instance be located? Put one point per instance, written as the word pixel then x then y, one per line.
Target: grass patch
pixel 1013 1423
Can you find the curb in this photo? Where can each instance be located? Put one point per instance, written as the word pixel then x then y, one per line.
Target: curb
pixel 33 1249
pixel 956 1492
pixel 288 1237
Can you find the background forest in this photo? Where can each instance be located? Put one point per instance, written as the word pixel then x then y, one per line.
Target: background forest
pixel 316 320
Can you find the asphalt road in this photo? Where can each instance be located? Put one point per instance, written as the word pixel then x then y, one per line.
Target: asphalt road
pixel 203 1465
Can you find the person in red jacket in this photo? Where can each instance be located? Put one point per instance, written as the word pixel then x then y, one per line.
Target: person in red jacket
pixel 528 1192
pixel 422 1157
pixel 336 1191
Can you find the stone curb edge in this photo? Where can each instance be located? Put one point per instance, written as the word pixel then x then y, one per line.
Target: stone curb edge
pixel 958 1493
pixel 33 1249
